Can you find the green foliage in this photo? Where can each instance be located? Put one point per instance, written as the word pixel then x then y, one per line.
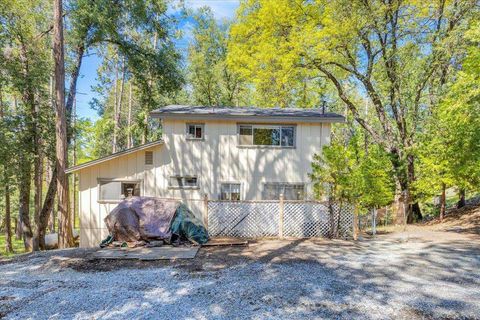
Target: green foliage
pixel 397 57
pixel 268 46
pixel 213 83
pixel 139 70
pixel 449 148
pixel 18 247
pixel 140 31
pixel 348 170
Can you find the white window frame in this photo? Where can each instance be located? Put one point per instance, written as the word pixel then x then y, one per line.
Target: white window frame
pixel 286 184
pixel 183 186
pixel 230 183
pixel 267 126
pixel 100 181
pixel 196 125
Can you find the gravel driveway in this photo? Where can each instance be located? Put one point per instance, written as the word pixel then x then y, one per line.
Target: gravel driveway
pixel 407 275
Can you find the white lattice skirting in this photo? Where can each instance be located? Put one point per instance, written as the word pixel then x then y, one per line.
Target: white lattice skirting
pixel 298 219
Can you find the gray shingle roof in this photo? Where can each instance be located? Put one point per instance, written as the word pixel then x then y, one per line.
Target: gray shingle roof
pixel 274 114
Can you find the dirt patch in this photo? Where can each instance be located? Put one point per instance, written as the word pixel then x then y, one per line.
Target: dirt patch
pixel 463 220
pixel 207 259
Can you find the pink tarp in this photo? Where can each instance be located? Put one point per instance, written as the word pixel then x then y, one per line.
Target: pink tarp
pixel 141 218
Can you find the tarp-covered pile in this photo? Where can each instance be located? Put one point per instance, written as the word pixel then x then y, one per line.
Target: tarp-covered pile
pixel 147 218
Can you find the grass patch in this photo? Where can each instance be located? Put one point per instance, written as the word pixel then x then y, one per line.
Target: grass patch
pixel 18 246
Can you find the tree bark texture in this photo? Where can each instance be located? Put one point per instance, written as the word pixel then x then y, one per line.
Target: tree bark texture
pixel 118 109
pixel 8 221
pixel 129 118
pixel 443 202
pixel 47 213
pixel 24 205
pixel 65 237
pixel 461 198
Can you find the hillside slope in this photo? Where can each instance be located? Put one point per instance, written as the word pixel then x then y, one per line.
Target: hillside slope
pixel 466 219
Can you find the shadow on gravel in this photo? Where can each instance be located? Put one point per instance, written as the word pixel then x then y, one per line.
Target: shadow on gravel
pixel 415 279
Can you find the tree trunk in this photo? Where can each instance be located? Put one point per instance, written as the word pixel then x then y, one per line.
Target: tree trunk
pixel 65 237
pixel 150 83
pixel 2 108
pixel 118 109
pixel 115 109
pixel 414 211
pixel 8 221
pixel 129 119
pixel 47 214
pixel 443 202
pixel 461 198
pixel 73 85
pixel 398 203
pixel 24 205
pixel 37 178
pixel 74 162
pixel 47 210
pixel 18 228
pixel 50 214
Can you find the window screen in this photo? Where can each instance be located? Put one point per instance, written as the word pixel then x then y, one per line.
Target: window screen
pixel 110 190
pixel 290 191
pixel 230 191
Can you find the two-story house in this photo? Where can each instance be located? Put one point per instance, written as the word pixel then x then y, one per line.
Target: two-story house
pixel 219 153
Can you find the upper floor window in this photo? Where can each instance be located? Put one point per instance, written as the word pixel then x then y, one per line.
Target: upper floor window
pixel 267 135
pixel 195 131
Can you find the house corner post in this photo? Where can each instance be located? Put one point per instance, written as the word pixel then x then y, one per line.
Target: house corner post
pixel 205 210
pixel 281 205
pixel 355 222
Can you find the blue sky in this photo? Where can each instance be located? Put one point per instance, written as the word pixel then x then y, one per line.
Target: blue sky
pixel 88 73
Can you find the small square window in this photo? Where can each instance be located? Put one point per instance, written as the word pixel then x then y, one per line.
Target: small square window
pixel 195 131
pixel 230 191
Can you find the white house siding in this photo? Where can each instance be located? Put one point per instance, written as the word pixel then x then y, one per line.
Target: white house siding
pixel 214 160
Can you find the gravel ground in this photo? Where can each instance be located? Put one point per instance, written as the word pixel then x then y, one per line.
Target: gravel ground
pixel 406 275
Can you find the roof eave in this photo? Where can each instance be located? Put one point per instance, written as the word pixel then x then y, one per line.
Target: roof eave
pixel 244 118
pixel 114 156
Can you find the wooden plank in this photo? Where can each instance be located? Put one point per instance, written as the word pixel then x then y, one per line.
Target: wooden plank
pixel 225 242
pixel 141 253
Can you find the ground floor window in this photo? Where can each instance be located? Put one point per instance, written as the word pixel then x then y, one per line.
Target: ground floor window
pixel 230 191
pixel 290 191
pixel 183 182
pixel 114 190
